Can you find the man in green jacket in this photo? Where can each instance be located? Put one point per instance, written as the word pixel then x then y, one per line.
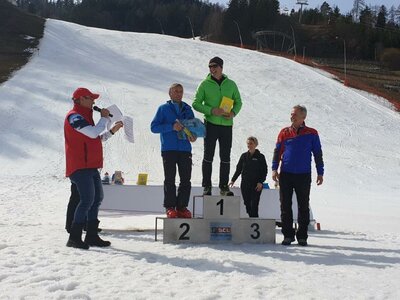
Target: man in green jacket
pixel 218 121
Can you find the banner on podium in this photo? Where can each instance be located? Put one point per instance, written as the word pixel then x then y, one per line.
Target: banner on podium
pixel 220 231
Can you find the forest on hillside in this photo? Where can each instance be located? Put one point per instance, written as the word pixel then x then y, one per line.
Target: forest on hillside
pixel 367 32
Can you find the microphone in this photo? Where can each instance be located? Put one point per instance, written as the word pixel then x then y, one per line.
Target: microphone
pixel 96 108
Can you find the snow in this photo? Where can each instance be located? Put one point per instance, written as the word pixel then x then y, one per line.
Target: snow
pixel 356 255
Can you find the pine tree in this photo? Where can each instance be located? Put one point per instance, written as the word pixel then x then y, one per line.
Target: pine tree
pixel 381 18
pixel 334 16
pixel 366 17
pixel 326 12
pixel 325 9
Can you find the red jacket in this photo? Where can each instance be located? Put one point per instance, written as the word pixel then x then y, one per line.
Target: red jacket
pixel 81 151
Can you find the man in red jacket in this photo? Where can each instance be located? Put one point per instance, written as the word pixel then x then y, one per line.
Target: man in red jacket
pixel 84 156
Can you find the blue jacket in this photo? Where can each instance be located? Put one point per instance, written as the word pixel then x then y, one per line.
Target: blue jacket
pixel 163 123
pixel 294 148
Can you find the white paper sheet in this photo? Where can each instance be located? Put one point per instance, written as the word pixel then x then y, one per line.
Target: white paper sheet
pixel 118 116
pixel 128 129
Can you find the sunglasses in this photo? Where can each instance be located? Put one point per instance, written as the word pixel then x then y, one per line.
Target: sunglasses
pixel 213 66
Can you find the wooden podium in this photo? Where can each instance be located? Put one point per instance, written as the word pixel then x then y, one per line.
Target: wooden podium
pixel 221 223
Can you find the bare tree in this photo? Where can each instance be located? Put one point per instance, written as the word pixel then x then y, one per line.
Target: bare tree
pixel 391 19
pixel 397 18
pixel 358 6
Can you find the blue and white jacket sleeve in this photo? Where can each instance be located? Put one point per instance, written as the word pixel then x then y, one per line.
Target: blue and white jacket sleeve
pixel 82 126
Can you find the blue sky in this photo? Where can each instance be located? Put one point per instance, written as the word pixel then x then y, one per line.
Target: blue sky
pixel 344 5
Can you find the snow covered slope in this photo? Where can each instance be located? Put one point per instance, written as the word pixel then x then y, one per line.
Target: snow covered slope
pixel 358 202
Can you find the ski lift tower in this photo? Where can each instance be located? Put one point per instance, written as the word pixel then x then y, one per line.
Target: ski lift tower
pixel 301 3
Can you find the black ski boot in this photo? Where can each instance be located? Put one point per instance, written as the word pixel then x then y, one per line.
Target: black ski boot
pixel 225 191
pixel 92 237
pixel 75 237
pixel 98 228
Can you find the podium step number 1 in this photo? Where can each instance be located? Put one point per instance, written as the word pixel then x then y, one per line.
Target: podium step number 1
pixel 227 207
pixel 220 223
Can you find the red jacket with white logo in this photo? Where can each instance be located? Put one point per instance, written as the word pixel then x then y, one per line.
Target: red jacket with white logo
pixel 81 151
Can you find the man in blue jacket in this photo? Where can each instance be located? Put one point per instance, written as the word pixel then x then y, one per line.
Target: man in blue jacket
pixel 294 147
pixel 176 150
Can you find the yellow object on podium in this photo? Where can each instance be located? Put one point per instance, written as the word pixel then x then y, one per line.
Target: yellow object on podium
pixel 142 179
pixel 226 104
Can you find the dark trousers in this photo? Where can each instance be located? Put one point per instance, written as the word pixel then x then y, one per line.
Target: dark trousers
pixel 251 198
pixel 301 184
pixel 222 134
pixel 88 183
pixel 183 160
pixel 72 204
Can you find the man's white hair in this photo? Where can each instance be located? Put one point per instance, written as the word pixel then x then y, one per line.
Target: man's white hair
pixel 302 108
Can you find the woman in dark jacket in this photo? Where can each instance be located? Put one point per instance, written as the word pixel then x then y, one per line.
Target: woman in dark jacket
pixel 253 168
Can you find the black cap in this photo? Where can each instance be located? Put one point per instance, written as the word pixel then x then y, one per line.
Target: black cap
pixel 217 60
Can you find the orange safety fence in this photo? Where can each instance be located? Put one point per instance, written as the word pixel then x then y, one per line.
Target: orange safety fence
pixel 351 81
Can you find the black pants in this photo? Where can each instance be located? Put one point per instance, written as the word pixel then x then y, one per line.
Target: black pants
pixel 72 204
pixel 251 198
pixel 224 136
pixel 183 160
pixel 301 184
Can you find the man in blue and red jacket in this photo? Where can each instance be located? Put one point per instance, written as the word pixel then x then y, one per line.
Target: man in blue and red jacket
pixel 294 147
pixel 84 156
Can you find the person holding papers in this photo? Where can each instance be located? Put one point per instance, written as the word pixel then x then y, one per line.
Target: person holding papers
pixel 84 156
pixel 176 150
pixel 218 98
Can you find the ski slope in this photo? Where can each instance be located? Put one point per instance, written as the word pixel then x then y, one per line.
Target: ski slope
pixel 356 255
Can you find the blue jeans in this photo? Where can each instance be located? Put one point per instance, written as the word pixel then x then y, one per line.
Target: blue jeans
pixel 91 194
